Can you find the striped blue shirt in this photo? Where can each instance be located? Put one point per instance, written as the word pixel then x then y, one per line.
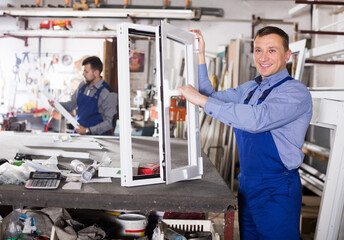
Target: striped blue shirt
pixel 286 112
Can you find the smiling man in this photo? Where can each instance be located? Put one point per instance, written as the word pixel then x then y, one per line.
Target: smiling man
pixel 270 116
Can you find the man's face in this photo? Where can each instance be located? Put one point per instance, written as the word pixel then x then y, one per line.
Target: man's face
pixel 270 57
pixel 88 73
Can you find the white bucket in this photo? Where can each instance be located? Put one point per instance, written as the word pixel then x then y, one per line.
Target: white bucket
pixel 131 225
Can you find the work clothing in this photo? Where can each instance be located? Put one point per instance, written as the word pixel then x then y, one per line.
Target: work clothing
pixel 270 118
pixel 269 194
pixel 106 103
pixel 88 114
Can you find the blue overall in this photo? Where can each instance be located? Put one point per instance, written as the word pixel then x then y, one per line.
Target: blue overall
pixel 87 113
pixel 269 194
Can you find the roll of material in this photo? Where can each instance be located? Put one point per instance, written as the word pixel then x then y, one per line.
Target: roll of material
pixel 88 173
pixel 78 166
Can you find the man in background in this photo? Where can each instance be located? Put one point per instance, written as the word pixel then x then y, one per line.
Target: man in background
pixel 94 100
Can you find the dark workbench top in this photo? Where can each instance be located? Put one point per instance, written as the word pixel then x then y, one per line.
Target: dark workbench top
pixel 209 194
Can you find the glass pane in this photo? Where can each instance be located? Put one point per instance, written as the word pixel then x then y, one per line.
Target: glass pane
pixel 176 76
pixel 143 102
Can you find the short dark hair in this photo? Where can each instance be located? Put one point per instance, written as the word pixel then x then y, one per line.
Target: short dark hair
pixel 274 30
pixel 95 62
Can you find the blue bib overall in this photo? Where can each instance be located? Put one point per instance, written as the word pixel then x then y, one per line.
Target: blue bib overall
pixel 87 113
pixel 269 194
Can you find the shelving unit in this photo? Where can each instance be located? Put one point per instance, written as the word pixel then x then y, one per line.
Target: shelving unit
pixel 323 173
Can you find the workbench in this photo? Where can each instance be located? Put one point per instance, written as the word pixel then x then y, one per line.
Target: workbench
pixel 209 194
pixel 38 121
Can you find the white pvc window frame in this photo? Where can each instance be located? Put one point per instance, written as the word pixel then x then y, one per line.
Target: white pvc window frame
pixel 194 169
pixel 329 113
pixel 126 154
pixel 298 48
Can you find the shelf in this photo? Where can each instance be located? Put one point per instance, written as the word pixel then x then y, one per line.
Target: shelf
pixel 61 34
pixel 104 13
pixel 25 34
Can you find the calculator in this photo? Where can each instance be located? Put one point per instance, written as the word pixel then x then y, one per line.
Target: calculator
pixel 43 180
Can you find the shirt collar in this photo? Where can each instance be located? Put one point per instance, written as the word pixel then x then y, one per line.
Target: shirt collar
pixel 98 84
pixel 273 78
